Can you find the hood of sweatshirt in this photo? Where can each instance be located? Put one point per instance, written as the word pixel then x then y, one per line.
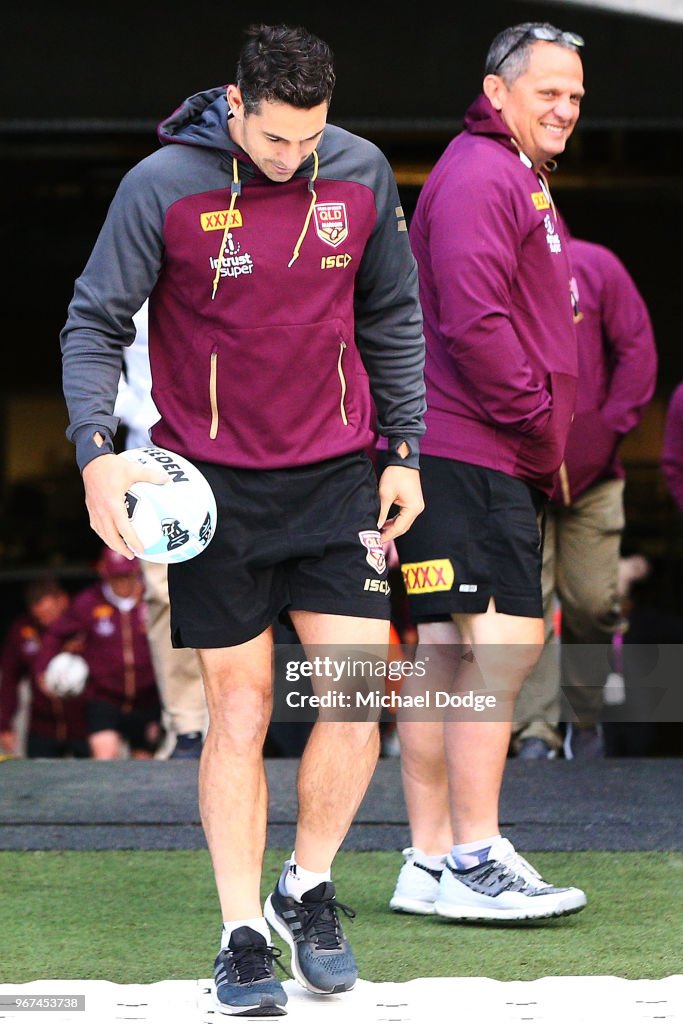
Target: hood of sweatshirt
pixel 481 118
pixel 200 120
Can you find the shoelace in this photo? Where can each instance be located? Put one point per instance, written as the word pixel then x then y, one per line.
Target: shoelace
pixel 522 867
pixel 322 922
pixel 257 961
pixel 498 871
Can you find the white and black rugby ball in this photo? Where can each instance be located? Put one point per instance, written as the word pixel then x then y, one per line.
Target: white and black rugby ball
pixel 66 675
pixel 174 521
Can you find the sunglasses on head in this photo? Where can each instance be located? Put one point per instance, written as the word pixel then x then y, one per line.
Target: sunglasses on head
pixel 546 35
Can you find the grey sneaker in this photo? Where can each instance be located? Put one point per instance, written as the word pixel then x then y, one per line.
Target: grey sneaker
pixel 322 959
pixel 504 888
pixel 246 985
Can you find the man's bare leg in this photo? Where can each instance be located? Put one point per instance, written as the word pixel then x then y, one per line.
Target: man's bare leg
pixel 484 878
pixel 505 647
pixel 335 770
pixel 233 794
pixel 423 755
pixel 340 756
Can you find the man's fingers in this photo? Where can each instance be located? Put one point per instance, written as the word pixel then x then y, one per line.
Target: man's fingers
pixel 399 525
pixel 385 505
pixel 150 474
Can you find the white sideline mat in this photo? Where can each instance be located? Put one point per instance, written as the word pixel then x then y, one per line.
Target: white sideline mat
pixel 563 1000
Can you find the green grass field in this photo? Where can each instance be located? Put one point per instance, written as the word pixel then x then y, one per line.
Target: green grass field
pixel 141 916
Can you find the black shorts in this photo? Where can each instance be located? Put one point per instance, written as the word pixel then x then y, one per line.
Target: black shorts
pixel 286 539
pixel 48 746
pixel 479 537
pixel 131 725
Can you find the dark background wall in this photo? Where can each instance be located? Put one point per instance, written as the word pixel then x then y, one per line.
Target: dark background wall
pixel 135 60
pixel 84 85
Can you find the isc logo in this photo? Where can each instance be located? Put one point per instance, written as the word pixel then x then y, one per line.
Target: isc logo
pixel 381 586
pixel 342 259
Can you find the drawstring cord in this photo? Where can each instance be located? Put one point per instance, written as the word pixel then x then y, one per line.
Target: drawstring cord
pixel 546 188
pixel 314 199
pixel 235 190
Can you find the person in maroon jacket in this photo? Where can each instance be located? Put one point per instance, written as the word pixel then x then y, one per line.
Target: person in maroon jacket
pixel 584 520
pixel 108 620
pixel 501 369
pixel 672 448
pixel 56 726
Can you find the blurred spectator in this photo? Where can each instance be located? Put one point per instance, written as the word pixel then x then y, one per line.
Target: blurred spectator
pixel 629 730
pixel 584 520
pixel 108 621
pixel 178 670
pixel 56 727
pixel 672 450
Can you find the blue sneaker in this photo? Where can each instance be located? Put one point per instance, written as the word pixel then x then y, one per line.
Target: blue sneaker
pixel 246 985
pixel 322 959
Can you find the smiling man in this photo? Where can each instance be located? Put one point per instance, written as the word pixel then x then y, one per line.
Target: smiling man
pixel 501 374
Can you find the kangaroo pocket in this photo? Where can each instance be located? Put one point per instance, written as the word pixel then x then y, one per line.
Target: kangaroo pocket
pixel 286 394
pixel 539 458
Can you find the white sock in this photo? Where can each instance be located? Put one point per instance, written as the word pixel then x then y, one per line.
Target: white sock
pixel 468 855
pixel 435 861
pixel 259 924
pixel 295 880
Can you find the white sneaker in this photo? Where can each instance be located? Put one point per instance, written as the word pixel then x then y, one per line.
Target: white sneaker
pixel 417 886
pixel 504 888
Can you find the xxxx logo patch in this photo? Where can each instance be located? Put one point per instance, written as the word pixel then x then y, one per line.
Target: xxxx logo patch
pixel 218 220
pixel 540 200
pixel 428 577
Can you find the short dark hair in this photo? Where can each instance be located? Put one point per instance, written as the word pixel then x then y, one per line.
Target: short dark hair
pixel 508 54
pixel 36 590
pixel 286 64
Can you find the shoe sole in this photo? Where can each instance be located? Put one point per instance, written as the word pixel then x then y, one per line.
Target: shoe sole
pixel 404 905
pixel 284 933
pixel 266 1008
pixel 464 913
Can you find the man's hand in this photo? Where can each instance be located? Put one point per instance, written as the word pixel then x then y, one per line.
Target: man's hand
pixel 106 480
pixel 399 485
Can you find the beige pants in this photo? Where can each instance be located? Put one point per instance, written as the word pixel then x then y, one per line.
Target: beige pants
pixel 178 671
pixel 580 569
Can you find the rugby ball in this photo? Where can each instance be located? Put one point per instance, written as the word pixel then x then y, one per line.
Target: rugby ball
pixel 66 675
pixel 174 521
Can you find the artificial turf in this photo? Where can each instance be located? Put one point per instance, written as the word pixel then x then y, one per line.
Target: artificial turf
pixel 145 916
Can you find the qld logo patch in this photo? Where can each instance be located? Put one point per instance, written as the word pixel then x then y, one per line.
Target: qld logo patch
pixel 370 539
pixel 428 577
pixel 331 224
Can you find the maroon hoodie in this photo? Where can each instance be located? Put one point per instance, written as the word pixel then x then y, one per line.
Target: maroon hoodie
pixel 494 278
pixel 617 369
pixel 672 449
pixel 114 644
pixel 50 717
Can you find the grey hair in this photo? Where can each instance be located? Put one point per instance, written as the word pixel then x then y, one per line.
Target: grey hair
pixel 518 61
